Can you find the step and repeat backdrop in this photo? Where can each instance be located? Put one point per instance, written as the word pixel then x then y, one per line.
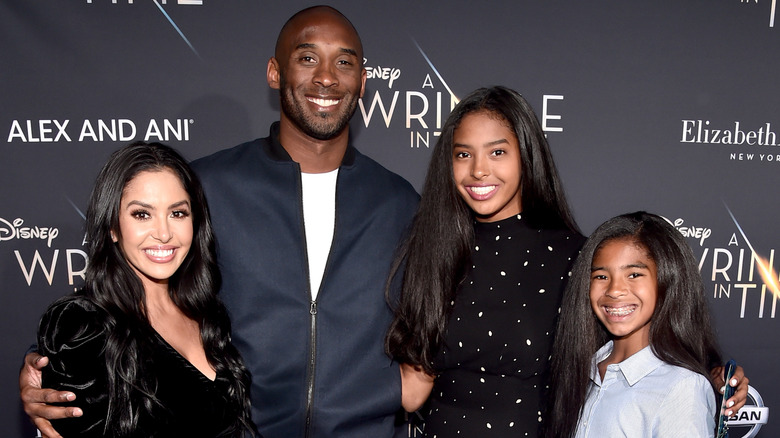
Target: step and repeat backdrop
pixel 667 106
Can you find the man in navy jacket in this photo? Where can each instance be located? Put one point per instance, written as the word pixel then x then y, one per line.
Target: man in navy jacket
pixel 308 312
pixel 315 352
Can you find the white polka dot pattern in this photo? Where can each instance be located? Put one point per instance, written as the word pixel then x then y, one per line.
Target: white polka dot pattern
pixel 500 332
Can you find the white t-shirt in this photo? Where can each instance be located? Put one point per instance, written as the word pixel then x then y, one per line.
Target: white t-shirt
pixel 319 218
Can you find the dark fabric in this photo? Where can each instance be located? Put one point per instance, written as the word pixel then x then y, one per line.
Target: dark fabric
pixel 493 367
pixel 73 335
pixel 254 192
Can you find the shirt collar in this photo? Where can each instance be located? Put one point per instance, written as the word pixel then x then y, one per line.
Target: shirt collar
pixel 278 153
pixel 634 368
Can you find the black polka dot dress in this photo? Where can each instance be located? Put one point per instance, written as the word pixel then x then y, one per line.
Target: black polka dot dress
pixel 492 368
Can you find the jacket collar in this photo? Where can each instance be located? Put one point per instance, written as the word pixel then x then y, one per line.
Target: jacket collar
pixel 276 151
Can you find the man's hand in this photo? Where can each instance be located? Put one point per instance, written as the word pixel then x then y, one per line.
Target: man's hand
pixel 738 381
pixel 36 399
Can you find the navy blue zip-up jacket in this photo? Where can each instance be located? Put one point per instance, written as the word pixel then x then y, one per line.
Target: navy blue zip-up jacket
pixel 318 368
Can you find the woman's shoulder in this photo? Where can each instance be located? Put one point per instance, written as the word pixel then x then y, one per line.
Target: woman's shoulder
pixel 74 307
pixel 71 323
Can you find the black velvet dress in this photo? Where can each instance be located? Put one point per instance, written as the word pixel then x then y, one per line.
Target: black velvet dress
pixel 493 367
pixel 72 335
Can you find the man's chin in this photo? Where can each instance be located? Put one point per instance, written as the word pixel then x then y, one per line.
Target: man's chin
pixel 323 136
pixel 325 132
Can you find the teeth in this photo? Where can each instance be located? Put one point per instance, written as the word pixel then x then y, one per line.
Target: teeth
pixel 620 311
pixel 159 252
pixel 324 102
pixel 483 190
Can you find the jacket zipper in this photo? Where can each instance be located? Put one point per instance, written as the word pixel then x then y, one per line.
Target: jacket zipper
pixel 312 365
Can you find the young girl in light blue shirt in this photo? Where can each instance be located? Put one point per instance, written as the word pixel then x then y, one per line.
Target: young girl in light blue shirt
pixel 634 341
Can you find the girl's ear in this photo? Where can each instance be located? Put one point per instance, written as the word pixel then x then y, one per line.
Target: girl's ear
pixel 113 237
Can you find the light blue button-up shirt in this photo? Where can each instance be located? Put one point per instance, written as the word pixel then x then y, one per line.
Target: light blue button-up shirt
pixel 644 396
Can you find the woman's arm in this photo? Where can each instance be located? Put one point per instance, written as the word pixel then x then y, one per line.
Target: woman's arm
pixel 72 336
pixel 416 386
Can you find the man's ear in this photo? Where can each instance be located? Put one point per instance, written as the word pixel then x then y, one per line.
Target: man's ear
pixel 272 74
pixel 363 75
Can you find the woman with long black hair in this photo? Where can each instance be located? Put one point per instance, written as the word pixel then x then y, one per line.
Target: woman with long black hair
pixel 145 345
pixel 485 266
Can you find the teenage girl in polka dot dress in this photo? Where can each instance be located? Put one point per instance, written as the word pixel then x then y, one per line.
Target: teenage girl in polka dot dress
pixel 483 271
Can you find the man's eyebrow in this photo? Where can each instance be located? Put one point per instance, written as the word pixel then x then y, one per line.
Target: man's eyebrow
pixel 346 50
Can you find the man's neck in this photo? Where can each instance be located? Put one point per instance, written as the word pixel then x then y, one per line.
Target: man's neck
pixel 313 155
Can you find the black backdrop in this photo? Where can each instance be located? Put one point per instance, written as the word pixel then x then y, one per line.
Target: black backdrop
pixel 666 106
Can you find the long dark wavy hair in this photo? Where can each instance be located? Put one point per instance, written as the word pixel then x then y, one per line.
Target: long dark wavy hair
pixel 436 252
pixel 680 332
pixel 113 285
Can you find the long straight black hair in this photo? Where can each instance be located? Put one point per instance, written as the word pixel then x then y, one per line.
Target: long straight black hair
pixel 432 260
pixel 680 332
pixel 113 285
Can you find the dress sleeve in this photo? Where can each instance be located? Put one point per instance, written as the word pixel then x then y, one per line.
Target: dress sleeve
pixel 688 410
pixel 72 335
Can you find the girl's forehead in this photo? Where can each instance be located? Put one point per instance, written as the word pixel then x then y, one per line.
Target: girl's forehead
pixel 620 247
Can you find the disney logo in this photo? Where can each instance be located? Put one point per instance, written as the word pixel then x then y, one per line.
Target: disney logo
pixel 700 233
pixel 389 74
pixel 15 230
